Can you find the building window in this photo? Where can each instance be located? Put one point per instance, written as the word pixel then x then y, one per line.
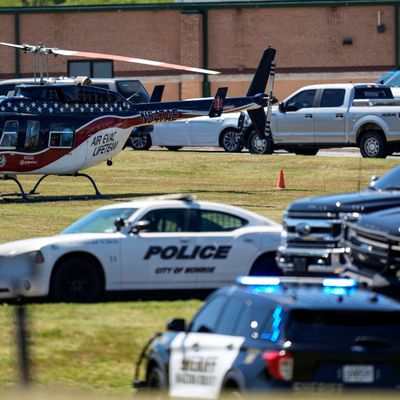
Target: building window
pixel 91 68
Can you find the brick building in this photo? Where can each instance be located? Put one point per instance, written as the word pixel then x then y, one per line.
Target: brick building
pixel 330 41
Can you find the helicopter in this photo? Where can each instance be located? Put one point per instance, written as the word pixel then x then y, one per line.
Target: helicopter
pixel 62 128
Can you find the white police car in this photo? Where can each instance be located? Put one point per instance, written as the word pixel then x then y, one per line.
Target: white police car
pixel 276 333
pixel 151 244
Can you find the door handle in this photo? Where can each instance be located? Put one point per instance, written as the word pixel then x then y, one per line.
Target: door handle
pixel 229 347
pixel 195 346
pixel 184 240
pixel 339 116
pixel 308 116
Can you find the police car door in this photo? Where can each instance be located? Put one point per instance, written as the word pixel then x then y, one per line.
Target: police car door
pixel 158 257
pixel 225 252
pixel 201 358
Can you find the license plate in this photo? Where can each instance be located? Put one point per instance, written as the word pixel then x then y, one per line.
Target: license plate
pixel 358 373
pixel 300 264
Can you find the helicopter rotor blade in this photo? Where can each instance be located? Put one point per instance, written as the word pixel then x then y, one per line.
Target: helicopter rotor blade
pixel 85 54
pixel 18 46
pixel 71 53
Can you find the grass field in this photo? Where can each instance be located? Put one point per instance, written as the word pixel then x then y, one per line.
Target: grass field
pixel 93 347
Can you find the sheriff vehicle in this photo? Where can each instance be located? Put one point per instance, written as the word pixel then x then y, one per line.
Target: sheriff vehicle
pixel 277 333
pixel 152 245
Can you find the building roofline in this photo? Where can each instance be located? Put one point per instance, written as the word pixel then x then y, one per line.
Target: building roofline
pixel 196 7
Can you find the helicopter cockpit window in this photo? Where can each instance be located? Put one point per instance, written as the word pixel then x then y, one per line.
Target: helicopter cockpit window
pixel 134 90
pixel 60 137
pixel 9 137
pixel 32 135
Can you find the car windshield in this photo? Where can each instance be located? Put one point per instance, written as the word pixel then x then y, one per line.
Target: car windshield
pixel 385 77
pixel 389 181
pixel 343 326
pixel 394 80
pixel 99 221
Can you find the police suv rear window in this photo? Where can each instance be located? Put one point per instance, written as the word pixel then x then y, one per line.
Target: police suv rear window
pixel 342 326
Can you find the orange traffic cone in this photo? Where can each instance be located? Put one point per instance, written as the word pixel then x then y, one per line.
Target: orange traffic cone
pixel 281 180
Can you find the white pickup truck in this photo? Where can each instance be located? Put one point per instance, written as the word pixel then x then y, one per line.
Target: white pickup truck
pixel 333 115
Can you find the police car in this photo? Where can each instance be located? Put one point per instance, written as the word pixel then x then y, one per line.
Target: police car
pixel 151 244
pixel 273 333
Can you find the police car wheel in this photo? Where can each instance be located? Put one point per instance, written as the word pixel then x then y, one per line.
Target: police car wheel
pixel 156 378
pixel 265 266
pixel 76 279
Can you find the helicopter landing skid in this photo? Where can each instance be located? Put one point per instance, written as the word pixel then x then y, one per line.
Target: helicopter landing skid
pixel 21 193
pixel 98 194
pixel 27 197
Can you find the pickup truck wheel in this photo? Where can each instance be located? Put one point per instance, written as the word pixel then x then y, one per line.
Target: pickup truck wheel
pixel 230 142
pixel 306 152
pixel 373 145
pixel 76 279
pixel 140 142
pixel 258 145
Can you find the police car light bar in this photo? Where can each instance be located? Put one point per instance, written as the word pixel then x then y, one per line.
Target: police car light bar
pixel 258 280
pixel 275 281
pixel 339 282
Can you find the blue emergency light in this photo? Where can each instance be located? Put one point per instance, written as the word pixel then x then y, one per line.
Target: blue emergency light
pixel 258 280
pixel 339 282
pixel 342 283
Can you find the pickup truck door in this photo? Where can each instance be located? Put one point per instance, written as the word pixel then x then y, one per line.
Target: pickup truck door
pixel 295 123
pixel 330 117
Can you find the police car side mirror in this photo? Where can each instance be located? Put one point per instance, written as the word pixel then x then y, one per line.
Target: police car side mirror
pixel 373 180
pixel 140 226
pixel 282 107
pixel 176 325
pixel 119 223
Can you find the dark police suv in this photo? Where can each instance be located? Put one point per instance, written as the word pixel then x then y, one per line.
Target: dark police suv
pixel 312 236
pixel 373 246
pixel 270 333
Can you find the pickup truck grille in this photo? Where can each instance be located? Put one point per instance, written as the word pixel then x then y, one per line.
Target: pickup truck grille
pixel 312 229
pixel 374 250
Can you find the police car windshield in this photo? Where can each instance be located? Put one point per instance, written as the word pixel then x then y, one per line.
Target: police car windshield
pixel 343 326
pixel 99 221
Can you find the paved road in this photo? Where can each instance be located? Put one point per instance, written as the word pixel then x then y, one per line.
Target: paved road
pixel 340 152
